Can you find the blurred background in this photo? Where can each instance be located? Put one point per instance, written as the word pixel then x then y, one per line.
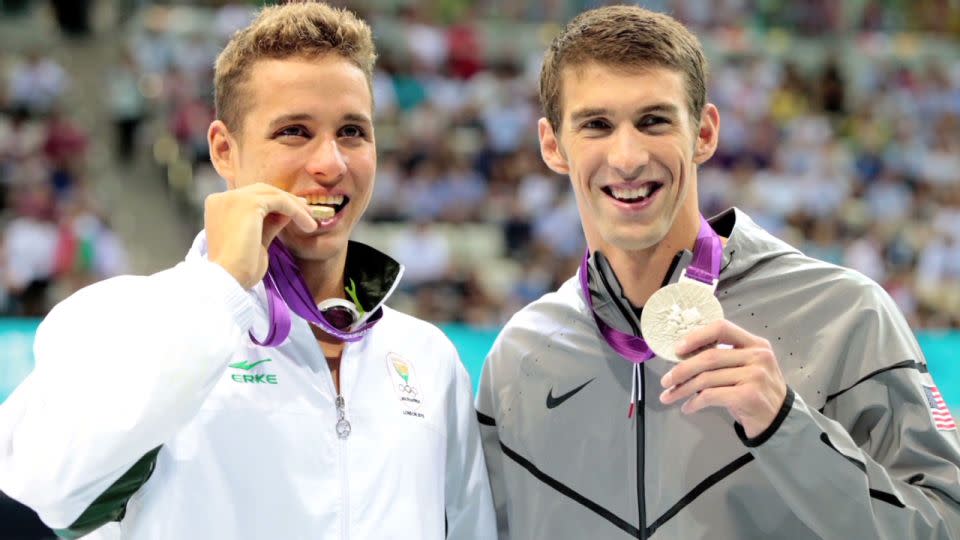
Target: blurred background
pixel 840 133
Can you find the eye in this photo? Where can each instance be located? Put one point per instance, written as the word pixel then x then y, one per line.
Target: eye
pixel 293 131
pixel 352 131
pixel 653 120
pixel 595 124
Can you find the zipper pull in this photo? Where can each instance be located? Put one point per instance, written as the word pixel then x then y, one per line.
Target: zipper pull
pixel 636 392
pixel 343 425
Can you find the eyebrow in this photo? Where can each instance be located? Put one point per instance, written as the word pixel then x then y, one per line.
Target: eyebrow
pixel 304 117
pixel 287 119
pixel 356 117
pixel 663 108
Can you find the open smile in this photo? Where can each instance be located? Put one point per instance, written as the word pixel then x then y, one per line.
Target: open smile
pixel 633 195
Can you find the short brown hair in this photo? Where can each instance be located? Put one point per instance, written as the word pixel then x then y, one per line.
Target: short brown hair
pixel 626 37
pixel 293 29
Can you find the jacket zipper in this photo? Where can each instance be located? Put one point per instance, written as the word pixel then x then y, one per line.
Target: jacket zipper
pixel 342 428
pixel 641 452
pixel 343 432
pixel 344 492
pixel 343 425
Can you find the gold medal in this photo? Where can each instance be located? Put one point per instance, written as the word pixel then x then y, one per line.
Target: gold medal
pixel 322 212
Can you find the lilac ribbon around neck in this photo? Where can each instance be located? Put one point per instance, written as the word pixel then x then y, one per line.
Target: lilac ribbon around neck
pixel 705 268
pixel 287 291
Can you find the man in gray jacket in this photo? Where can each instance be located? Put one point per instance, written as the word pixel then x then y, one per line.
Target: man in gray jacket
pixel 805 411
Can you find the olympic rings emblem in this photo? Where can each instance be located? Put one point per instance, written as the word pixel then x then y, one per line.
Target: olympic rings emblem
pixel 406 388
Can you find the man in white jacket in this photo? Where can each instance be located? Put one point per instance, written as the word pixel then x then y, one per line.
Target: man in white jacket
pixel 153 412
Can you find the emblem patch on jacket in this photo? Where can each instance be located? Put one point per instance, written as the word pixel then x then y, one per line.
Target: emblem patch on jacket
pixel 405 384
pixel 942 418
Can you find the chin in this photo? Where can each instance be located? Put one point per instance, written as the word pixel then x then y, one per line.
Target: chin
pixel 634 240
pixel 318 247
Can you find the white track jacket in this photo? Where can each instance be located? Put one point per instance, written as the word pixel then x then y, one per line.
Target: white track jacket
pixel 246 438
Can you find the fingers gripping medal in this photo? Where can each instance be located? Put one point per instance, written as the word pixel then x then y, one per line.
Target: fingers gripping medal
pixel 676 310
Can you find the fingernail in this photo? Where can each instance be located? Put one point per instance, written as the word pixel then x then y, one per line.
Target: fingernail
pixel 663 396
pixel 665 380
pixel 680 347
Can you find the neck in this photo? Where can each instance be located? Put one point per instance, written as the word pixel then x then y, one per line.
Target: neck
pixel 324 278
pixel 641 272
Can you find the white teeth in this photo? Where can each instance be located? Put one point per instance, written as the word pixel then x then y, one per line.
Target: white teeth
pixel 634 193
pixel 325 199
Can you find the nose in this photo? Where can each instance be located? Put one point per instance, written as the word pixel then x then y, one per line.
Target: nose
pixel 327 162
pixel 627 155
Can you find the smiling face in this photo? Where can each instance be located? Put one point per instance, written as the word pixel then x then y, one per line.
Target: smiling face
pixel 630 147
pixel 308 130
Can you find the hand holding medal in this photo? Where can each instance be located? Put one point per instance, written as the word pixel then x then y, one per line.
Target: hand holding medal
pixel 722 364
pixel 744 378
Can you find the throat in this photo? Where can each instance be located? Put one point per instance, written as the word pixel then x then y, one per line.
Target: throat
pixel 333 352
pixel 333 362
pixel 316 274
pixel 640 277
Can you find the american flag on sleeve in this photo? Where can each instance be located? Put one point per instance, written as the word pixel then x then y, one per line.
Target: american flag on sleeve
pixel 942 418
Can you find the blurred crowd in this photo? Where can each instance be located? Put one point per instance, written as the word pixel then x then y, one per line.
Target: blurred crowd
pixel 840 132
pixel 54 238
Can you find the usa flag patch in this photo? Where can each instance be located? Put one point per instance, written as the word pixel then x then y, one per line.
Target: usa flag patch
pixel 942 418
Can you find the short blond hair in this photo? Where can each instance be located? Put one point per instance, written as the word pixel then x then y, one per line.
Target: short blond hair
pixel 628 37
pixel 295 29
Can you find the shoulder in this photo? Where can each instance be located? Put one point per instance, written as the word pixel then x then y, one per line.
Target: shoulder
pixel 560 312
pixel 832 284
pixel 398 323
pixel 765 267
pixel 848 320
pixel 97 299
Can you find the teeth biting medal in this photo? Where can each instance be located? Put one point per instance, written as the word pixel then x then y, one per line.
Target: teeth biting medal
pixel 321 212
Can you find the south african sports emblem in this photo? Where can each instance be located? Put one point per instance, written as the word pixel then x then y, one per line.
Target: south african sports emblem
pixel 405 384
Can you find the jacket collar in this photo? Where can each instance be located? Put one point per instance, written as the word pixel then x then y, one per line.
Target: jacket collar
pixel 375 274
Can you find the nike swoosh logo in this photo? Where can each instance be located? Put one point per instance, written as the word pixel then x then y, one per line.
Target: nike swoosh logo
pixel 554 401
pixel 247 367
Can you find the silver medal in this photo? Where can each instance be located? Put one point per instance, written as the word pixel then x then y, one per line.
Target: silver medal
pixel 676 310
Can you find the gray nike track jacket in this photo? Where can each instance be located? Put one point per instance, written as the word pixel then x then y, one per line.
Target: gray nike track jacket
pixel 855 452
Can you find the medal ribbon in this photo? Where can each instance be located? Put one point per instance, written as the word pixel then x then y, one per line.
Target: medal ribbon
pixel 705 268
pixel 286 291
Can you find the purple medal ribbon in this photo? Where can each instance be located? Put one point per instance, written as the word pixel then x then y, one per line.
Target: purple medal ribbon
pixel 286 291
pixel 705 268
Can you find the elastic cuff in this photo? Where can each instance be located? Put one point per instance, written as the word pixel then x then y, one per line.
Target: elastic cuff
pixel 774 426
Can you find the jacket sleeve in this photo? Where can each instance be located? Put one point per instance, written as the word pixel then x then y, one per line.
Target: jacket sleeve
pixel 873 463
pixel 120 366
pixel 469 507
pixel 488 407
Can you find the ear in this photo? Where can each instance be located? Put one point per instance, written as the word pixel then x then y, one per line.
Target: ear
pixel 550 149
pixel 707 135
pixel 224 152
